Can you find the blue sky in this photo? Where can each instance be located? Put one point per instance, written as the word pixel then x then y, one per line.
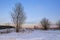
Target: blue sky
pixel 35 10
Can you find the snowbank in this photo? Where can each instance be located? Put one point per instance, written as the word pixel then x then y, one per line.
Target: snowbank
pixel 34 35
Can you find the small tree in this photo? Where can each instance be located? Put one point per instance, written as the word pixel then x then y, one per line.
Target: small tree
pixel 58 24
pixel 18 16
pixel 45 23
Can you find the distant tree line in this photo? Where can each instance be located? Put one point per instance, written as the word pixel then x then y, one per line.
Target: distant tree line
pixel 6 27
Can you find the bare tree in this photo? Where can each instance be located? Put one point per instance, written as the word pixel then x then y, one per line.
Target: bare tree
pixel 58 24
pixel 45 23
pixel 18 16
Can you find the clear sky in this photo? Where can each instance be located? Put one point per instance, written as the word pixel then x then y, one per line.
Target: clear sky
pixel 35 10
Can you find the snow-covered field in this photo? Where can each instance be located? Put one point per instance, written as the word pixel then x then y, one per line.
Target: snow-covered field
pixel 32 35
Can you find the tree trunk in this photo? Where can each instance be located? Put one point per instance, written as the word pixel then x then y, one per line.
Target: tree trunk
pixel 17 28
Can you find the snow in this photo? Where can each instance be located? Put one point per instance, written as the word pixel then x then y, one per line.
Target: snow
pixel 32 35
